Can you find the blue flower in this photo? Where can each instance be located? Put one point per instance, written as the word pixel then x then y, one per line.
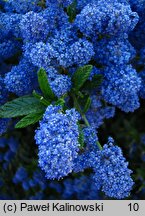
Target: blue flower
pixel 79 53
pixel 21 6
pixel 121 87
pixel 60 85
pixel 56 17
pixel 106 17
pixel 57 140
pixel 114 52
pixel 111 172
pixel 22 78
pixel 10 26
pixel 43 55
pixel 34 27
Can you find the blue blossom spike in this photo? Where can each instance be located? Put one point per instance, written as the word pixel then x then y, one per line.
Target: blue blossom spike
pixel 121 87
pixel 111 170
pixel 57 140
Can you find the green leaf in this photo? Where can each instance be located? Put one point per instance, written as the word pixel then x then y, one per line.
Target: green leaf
pixel 60 102
pixel 42 3
pixel 81 137
pixel 76 104
pixel 20 107
pixel 36 95
pixel 87 105
pixel 95 83
pixel 72 11
pixel 81 76
pixel 80 94
pixel 29 120
pixel 44 84
pixel 41 98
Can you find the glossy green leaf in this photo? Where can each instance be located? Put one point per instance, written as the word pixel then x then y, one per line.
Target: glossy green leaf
pixel 20 107
pixel 81 76
pixel 29 120
pixel 44 85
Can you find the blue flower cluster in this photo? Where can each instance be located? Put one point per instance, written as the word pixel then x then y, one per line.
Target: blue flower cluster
pixel 121 87
pixel 57 140
pixel 108 24
pixel 34 27
pixel 42 55
pixel 22 78
pixel 21 6
pixel 106 17
pixel 50 40
pixel 79 53
pixel 10 28
pixel 111 172
pixel 115 51
pixel 61 85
